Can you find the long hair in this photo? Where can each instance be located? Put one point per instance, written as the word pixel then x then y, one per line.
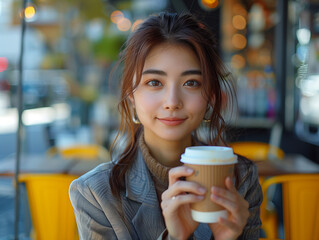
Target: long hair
pixel 176 29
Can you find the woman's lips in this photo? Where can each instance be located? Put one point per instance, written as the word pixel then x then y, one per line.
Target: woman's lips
pixel 172 121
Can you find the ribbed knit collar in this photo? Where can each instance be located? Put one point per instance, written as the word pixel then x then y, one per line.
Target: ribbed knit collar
pixel 158 171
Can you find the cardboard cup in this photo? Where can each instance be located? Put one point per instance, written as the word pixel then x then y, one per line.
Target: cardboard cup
pixel 212 165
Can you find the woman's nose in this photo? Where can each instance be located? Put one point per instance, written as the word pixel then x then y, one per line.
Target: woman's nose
pixel 173 99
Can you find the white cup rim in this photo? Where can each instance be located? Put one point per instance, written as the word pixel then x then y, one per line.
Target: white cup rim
pixel 209 155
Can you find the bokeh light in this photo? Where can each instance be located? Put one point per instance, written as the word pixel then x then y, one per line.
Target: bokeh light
pixel 4 63
pixel 239 22
pixel 264 56
pixel 124 24
pixel 239 9
pixel 29 12
pixel 116 16
pixel 256 39
pixel 303 36
pixel 239 41
pixel 210 3
pixel 136 24
pixel 238 61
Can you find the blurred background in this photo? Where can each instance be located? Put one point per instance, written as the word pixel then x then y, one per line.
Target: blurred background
pixel 271 47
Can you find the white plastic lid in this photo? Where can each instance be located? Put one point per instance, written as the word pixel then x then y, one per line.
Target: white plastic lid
pixel 208 217
pixel 209 155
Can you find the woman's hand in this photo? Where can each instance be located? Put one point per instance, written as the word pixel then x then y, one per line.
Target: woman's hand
pixel 176 203
pixel 236 205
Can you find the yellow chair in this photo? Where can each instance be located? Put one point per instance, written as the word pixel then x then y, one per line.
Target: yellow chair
pixel 82 151
pixel 259 151
pixel 50 208
pixel 300 204
pixel 269 239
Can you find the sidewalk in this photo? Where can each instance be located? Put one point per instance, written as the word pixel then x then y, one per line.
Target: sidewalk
pixel 7 212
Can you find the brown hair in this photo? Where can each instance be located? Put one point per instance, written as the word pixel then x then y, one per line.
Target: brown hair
pixel 176 29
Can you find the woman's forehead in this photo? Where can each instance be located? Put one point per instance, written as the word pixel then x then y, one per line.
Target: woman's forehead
pixel 168 53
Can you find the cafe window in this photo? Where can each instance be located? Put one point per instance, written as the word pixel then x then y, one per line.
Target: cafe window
pixel 249 45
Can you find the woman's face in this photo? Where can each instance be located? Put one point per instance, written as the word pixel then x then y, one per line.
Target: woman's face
pixel 169 99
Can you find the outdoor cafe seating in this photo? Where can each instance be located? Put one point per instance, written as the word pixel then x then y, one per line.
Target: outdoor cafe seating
pixel 300 193
pixel 299 179
pixel 49 203
pixel 47 193
pixel 50 208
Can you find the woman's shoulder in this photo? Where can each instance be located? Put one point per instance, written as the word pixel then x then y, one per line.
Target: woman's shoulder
pixel 247 172
pixel 100 171
pixel 93 182
pixel 246 165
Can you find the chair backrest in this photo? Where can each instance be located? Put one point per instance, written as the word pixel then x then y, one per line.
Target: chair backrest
pixel 257 151
pixel 50 208
pixel 300 204
pixel 83 151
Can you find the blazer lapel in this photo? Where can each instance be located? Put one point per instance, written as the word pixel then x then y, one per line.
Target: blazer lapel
pixel 145 213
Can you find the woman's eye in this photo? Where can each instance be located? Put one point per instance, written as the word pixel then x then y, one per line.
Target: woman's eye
pixel 154 83
pixel 192 83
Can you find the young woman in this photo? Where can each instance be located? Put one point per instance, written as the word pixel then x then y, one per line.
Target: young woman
pixel 173 81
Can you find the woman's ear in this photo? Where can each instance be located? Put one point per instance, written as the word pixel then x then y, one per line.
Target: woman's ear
pixel 131 98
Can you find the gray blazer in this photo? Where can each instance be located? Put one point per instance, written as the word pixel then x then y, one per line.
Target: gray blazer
pixel 100 215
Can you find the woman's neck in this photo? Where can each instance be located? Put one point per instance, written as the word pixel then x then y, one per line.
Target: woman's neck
pixel 167 153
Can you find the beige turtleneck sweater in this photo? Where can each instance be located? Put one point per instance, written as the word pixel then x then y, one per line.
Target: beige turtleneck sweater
pixel 158 171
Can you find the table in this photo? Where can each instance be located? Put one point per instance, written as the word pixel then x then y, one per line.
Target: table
pixel 32 164
pixel 42 163
pixel 292 163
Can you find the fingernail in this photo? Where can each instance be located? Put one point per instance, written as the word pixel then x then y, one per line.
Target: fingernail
pixel 189 170
pixel 200 197
pixel 214 196
pixel 202 190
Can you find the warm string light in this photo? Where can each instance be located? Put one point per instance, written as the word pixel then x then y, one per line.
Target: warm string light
pixel 238 61
pixel 124 24
pixel 238 26
pixel 239 22
pixel 239 9
pixel 136 24
pixel 210 3
pixel 28 13
pixel 116 16
pixel 239 41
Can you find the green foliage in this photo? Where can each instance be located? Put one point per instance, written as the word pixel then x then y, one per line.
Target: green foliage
pixel 108 47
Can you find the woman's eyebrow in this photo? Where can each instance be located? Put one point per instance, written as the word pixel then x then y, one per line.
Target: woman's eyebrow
pixel 162 73
pixel 192 72
pixel 154 71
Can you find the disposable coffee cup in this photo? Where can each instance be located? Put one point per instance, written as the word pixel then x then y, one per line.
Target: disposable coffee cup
pixel 212 165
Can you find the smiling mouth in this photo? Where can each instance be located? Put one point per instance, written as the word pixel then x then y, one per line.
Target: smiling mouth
pixel 172 121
